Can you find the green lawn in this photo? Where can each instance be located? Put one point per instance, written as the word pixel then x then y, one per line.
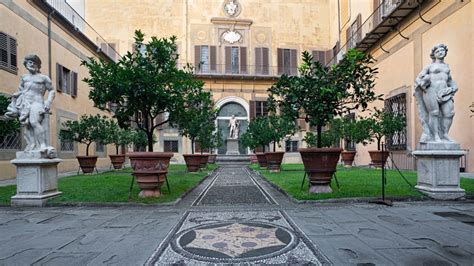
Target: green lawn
pixel 354 182
pixel 113 186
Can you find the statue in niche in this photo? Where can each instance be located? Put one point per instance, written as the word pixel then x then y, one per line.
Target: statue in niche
pixel 434 92
pixel 29 107
pixel 233 126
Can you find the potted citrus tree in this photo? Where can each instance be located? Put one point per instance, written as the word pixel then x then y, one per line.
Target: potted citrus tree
pixel 87 130
pixel 119 137
pixel 144 85
pixel 256 136
pixel 382 124
pixel 197 122
pixel 321 93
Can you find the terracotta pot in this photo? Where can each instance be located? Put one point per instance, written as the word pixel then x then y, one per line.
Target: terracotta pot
pixel 348 158
pixel 253 158
pixel 212 158
pixel 150 169
pixel 193 161
pixel 204 160
pixel 274 160
pixel 87 163
pixel 376 157
pixel 117 160
pixel 320 165
pixel 262 160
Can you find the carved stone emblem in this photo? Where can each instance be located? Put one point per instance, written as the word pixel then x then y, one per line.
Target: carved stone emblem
pixel 231 36
pixel 232 8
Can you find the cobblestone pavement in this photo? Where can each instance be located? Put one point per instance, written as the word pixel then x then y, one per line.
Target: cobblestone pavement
pixel 236 217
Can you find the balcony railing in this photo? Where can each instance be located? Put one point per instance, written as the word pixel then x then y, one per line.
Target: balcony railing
pixel 243 71
pixel 70 15
pixel 385 18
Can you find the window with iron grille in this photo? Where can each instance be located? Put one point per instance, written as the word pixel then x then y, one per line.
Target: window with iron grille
pixel 11 141
pixel 170 146
pixel 99 147
pixel 66 145
pixel 350 145
pixel 397 105
pixel 8 53
pixel 291 146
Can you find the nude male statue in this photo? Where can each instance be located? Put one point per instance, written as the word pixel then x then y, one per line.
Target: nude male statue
pixel 233 128
pixel 28 104
pixel 434 92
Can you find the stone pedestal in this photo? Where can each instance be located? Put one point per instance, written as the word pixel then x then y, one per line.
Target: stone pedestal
pixel 438 170
pixel 36 178
pixel 232 147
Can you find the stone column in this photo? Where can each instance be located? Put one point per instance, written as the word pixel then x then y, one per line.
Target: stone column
pixel 438 170
pixel 37 178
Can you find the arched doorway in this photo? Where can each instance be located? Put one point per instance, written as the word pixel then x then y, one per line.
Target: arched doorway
pixel 228 107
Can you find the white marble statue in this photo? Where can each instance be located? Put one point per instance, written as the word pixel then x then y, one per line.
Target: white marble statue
pixel 233 128
pixel 434 91
pixel 29 107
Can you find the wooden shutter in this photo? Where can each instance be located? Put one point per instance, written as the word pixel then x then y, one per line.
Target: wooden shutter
pixel 112 53
pixel 59 77
pixel 319 56
pixel 348 37
pixel 265 63
pixel 359 28
pixel 376 14
pixel 197 57
pixel 228 59
pixel 253 107
pixel 280 60
pixel 293 62
pixel 258 61
pixel 327 57
pixel 243 60
pixel 4 53
pixel 12 54
pixel 213 59
pixel 74 84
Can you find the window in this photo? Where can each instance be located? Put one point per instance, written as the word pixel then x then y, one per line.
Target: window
pixel 398 105
pixel 170 146
pixel 261 61
pixel 11 141
pixel 8 58
pixel 322 57
pixel 99 147
pixel 350 146
pixel 66 80
pixel 205 58
pixel 236 60
pixel 261 108
pixel 287 61
pixel 291 146
pixel 66 145
pixel 354 33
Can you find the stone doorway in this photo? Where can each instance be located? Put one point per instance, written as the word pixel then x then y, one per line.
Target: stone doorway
pixel 227 110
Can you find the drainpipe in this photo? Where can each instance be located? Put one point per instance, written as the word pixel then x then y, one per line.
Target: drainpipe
pixel 49 43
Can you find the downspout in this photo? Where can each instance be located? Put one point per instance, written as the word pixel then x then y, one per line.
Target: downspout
pixel 49 44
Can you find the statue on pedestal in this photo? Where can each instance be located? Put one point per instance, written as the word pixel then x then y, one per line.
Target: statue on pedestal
pixel 29 107
pixel 434 91
pixel 233 126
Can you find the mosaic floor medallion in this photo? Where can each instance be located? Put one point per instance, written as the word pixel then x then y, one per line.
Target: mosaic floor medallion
pixel 263 237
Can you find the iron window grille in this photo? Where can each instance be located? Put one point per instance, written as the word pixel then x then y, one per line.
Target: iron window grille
pixel 397 105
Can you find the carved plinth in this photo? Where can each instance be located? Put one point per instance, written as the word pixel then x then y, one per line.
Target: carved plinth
pixel 36 179
pixel 232 147
pixel 438 170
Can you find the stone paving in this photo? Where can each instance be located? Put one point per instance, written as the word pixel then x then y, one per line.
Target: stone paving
pixel 235 217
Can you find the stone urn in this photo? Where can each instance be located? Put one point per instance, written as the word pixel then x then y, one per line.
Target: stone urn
pixel 87 163
pixel 348 158
pixel 150 169
pixel 204 161
pixel 320 165
pixel 117 160
pixel 262 160
pixel 194 161
pixel 212 158
pixel 274 161
pixel 378 157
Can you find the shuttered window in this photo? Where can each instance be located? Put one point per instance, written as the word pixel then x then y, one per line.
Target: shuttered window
pixel 354 32
pixel 66 80
pixel 205 58
pixel 8 53
pixel 323 57
pixel 258 108
pixel 236 60
pixel 261 61
pixel 287 61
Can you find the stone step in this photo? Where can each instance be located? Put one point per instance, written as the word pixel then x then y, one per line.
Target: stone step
pixel 233 159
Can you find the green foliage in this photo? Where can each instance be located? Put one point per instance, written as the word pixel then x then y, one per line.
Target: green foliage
pixel 350 130
pixel 381 123
pixel 90 128
pixel 7 127
pixel 267 129
pixel 322 93
pixel 144 84
pixel 196 120
pixel 118 136
pixel 328 138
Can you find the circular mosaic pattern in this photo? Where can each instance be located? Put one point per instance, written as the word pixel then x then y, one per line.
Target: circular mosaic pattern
pixel 234 241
